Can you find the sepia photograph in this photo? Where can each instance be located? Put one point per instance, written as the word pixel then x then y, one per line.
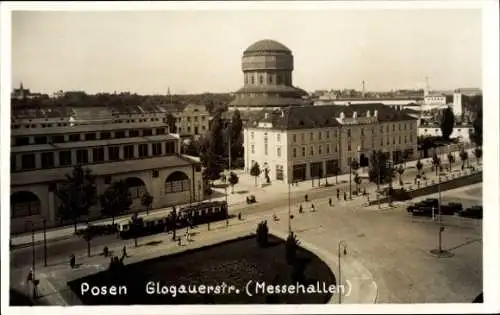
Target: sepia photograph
pixel 212 155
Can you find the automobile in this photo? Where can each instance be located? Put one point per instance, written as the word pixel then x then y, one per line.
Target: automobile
pixel 446 210
pixel 422 212
pixel 457 206
pixel 475 212
pixel 429 202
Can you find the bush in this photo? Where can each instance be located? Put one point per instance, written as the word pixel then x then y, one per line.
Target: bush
pixel 400 194
pixel 291 246
pixel 262 234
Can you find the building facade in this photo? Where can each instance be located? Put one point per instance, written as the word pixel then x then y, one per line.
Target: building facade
pixel 462 133
pixel 192 121
pixel 300 143
pixel 142 153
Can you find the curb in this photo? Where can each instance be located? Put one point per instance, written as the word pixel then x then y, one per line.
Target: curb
pixel 40 242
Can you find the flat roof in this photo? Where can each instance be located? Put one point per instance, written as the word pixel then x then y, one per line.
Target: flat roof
pixel 89 144
pixel 101 169
pixel 85 128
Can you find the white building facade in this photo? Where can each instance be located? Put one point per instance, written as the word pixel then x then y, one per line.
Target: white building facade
pixel 301 143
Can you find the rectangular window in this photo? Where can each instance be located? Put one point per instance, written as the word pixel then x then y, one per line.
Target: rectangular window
pixel 411 138
pixel 119 134
pixel 399 126
pixel 278 137
pixel 311 150
pixel 82 156
pixel 294 138
pixel 28 161
pixel 133 133
pixel 319 135
pixel 114 153
pixel 278 152
pixel 362 143
pixel 143 150
pixel 320 149
pixel 147 132
pixel 252 149
pixel 265 148
pixel 90 136
pixel 105 135
pixel 65 158
pixel 406 139
pixel 381 129
pixel 128 152
pixel 387 128
pixel 399 139
pixel 98 155
pixel 20 141
pixel 47 159
pixel 328 134
pixel 170 147
pixel 381 142
pixel 57 139
pixel 156 149
pixel 327 148
pixel 303 151
pixel 393 127
pixel 311 136
pixel 40 140
pixel 74 137
pixel 279 172
pixel 294 150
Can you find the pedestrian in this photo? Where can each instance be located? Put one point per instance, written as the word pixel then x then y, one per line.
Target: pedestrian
pixel 345 196
pixel 312 207
pixel 330 201
pixel 300 208
pixel 239 216
pixel 124 251
pixel 306 198
pixel 338 194
pixel 72 261
pixel 30 277
pixel 179 241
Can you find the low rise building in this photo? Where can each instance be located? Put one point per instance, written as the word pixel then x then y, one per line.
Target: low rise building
pixel 300 143
pixel 142 153
pixel 192 121
pixel 461 132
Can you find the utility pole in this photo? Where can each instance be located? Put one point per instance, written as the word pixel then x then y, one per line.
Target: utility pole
pixel 289 209
pixel 440 248
pixel 45 242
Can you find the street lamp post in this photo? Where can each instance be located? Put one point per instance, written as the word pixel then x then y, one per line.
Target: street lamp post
pixel 45 242
pixel 227 205
pixel 440 249
pixel 339 283
pixel 289 209
pixel 350 182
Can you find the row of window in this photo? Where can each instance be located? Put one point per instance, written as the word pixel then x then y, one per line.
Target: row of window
pixel 280 79
pixel 188 118
pixel 327 133
pixel 94 155
pixel 66 124
pixel 89 136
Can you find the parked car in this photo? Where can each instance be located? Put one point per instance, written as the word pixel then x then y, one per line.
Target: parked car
pixel 446 210
pixel 423 211
pixel 456 206
pixel 475 212
pixel 429 202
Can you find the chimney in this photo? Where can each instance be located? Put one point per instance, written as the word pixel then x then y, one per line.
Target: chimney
pixel 368 113
pixel 354 115
pixel 375 113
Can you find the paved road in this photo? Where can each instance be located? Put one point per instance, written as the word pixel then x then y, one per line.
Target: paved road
pixel 59 251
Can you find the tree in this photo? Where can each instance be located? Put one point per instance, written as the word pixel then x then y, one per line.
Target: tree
pixel 451 159
pixel 379 171
pixel 77 194
pixel 255 171
pixel 236 135
pixel 87 236
pixel 262 234
pixel 463 156
pixel 147 201
pixel 115 200
pixel 291 246
pixel 212 151
pixel 419 166
pixel 436 162
pixel 477 124
pixel 447 123
pixel 478 152
pixel 171 123
pixel 233 180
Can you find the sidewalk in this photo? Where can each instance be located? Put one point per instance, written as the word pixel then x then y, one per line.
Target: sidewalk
pixel 245 187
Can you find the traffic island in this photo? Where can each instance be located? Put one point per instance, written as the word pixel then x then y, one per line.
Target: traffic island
pixel 441 253
pixel 251 270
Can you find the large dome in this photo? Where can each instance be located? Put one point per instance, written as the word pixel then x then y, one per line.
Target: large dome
pixel 267 45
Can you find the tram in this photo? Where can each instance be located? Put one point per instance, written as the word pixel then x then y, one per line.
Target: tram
pixel 190 215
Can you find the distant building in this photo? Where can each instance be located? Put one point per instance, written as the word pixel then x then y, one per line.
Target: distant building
pixel 469 91
pixel 22 93
pixel 462 133
pixel 192 121
pixel 304 142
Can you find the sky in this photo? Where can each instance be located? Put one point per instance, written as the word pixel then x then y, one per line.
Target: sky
pixel 148 52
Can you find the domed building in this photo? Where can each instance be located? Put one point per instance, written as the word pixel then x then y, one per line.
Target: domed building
pixel 267 72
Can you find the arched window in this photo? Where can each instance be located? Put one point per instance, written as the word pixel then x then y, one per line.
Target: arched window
pixel 177 182
pixel 24 204
pixel 136 187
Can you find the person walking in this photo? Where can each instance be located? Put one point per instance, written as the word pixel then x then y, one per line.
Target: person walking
pixel 338 194
pixel 306 198
pixel 345 196
pixel 330 201
pixel 312 207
